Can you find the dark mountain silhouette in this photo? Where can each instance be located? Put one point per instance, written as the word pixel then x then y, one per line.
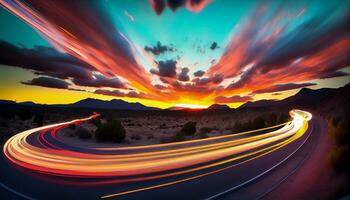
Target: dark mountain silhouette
pixel 218 107
pixel 112 104
pixel 89 103
pixel 325 100
pixel 306 97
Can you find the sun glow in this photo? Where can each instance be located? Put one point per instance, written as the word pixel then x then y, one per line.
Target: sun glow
pixel 192 106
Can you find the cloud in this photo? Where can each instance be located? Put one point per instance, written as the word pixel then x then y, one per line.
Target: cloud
pixel 334 74
pixel 166 69
pixel 199 73
pixel 214 45
pixel 192 5
pixel 158 49
pixel 183 76
pixel 160 87
pixel 233 99
pixel 100 81
pixel 118 93
pixel 283 87
pixel 48 82
pixel 44 61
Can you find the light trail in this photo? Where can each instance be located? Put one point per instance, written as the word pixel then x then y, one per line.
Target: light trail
pixel 159 160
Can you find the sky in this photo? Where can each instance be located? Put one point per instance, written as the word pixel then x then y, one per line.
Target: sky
pixel 164 53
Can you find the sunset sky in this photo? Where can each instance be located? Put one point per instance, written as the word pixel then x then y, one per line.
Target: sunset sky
pixel 163 54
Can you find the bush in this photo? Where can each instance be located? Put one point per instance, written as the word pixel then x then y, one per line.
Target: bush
pixel 83 133
pixel 112 130
pixel 179 136
pixel 339 131
pixel 189 128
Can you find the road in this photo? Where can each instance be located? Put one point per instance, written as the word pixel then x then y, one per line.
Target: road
pixel 240 166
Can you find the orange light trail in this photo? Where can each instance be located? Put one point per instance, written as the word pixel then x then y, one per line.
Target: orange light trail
pixel 159 161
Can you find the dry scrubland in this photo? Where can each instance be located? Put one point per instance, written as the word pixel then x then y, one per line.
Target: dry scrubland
pixel 142 127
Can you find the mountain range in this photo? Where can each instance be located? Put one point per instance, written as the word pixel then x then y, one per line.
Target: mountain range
pixel 323 100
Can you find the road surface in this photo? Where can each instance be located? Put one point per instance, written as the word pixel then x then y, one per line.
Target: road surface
pixel 36 165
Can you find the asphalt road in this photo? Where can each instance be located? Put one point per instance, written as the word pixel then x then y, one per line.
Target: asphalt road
pixel 251 179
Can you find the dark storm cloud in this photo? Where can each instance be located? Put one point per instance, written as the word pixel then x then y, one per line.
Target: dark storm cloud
pixel 48 82
pixel 100 81
pixel 166 69
pixel 49 62
pixel 216 79
pixel 199 73
pixel 158 49
pixel 283 87
pixel 213 46
pixel 183 76
pixel 334 74
pixel 44 61
pixel 233 99
pixel 160 87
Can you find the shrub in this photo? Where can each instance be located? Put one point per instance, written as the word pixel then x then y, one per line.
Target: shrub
pixel 179 136
pixel 83 133
pixel 189 128
pixel 339 131
pixel 112 130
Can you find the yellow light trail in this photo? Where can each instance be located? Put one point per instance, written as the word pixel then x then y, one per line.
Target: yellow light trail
pixel 159 159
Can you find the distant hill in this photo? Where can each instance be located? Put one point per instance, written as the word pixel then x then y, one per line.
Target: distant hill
pixel 90 103
pixel 218 107
pixel 112 104
pixel 325 100
pixel 328 101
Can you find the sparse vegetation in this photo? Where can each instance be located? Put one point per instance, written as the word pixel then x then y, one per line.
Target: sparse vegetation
pixel 189 128
pixel 112 130
pixel 339 131
pixel 179 136
pixel 260 122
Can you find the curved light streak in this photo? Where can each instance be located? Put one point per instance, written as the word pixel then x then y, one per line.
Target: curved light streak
pixel 156 162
